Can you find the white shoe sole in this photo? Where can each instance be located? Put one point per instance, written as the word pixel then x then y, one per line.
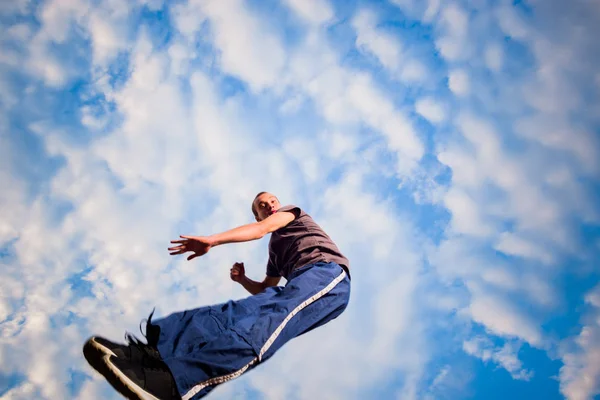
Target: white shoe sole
pixel 100 347
pixel 124 385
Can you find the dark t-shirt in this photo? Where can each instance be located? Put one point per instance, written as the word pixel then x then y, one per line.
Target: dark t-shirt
pixel 299 243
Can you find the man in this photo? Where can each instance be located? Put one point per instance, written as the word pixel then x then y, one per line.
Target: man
pixel 190 352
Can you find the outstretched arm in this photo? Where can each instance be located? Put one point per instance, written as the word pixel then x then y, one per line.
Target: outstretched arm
pixel 253 231
pixel 200 245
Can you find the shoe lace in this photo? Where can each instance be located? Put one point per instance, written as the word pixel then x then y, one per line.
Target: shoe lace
pixel 149 352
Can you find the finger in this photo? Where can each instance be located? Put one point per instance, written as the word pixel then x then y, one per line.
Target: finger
pixel 178 252
pixel 176 248
pixel 179 241
pixel 187 237
pixel 190 258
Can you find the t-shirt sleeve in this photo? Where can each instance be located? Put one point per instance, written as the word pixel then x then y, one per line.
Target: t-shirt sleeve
pixel 272 270
pixel 291 208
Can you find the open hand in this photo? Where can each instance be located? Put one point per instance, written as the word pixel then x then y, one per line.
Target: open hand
pixel 237 272
pixel 199 245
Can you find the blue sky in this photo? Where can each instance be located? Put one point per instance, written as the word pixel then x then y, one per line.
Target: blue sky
pixel 450 148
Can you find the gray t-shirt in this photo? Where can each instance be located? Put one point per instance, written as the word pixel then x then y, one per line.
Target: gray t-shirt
pixel 300 243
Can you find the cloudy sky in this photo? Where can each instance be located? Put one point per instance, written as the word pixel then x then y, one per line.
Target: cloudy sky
pixel 450 148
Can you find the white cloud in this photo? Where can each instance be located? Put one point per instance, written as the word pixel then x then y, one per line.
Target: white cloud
pixel 494 57
pixel 44 65
pixel 153 5
pixel 107 38
pixel 465 216
pixel 382 45
pixel 414 72
pixel 431 109
pixel 580 374
pixel 348 98
pixel 20 32
pixel 340 145
pixel 537 222
pixel 424 10
pixel 513 244
pixel 12 202
pixel 23 391
pixel 453 42
pixel 502 318
pixel 386 48
pixel 292 104
pixel 452 381
pixel 512 23
pixel 455 20
pixel 15 7
pixel 506 356
pixel 306 155
pixel 247 49
pixel 495 289
pixel 433 8
pixel 524 201
pixel 188 18
pixel 317 12
pixel 458 82
pixel 379 112
pixel 58 17
pixel 464 167
pixel 559 134
pixel 62 20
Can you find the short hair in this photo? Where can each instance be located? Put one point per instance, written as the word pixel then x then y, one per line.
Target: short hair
pixel 253 208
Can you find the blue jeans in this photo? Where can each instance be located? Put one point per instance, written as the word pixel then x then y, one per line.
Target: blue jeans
pixel 211 345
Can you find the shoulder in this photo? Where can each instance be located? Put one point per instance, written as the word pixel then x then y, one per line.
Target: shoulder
pixel 297 211
pixel 281 218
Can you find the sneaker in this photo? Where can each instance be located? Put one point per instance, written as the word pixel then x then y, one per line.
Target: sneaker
pixel 149 379
pixel 97 347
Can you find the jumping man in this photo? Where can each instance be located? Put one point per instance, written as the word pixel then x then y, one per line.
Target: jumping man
pixel 189 353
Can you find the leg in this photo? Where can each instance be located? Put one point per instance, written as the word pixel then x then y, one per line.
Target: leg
pixel 211 345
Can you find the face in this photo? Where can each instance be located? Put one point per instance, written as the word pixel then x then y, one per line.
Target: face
pixel 265 205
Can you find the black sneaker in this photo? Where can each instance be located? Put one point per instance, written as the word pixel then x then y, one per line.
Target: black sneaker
pixel 96 348
pixel 149 379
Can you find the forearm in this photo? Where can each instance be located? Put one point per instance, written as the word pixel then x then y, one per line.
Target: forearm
pixel 251 286
pixel 242 233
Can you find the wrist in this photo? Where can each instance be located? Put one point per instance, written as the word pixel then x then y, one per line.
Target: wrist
pixel 213 241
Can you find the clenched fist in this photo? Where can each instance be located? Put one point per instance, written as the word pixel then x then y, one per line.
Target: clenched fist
pixel 237 272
